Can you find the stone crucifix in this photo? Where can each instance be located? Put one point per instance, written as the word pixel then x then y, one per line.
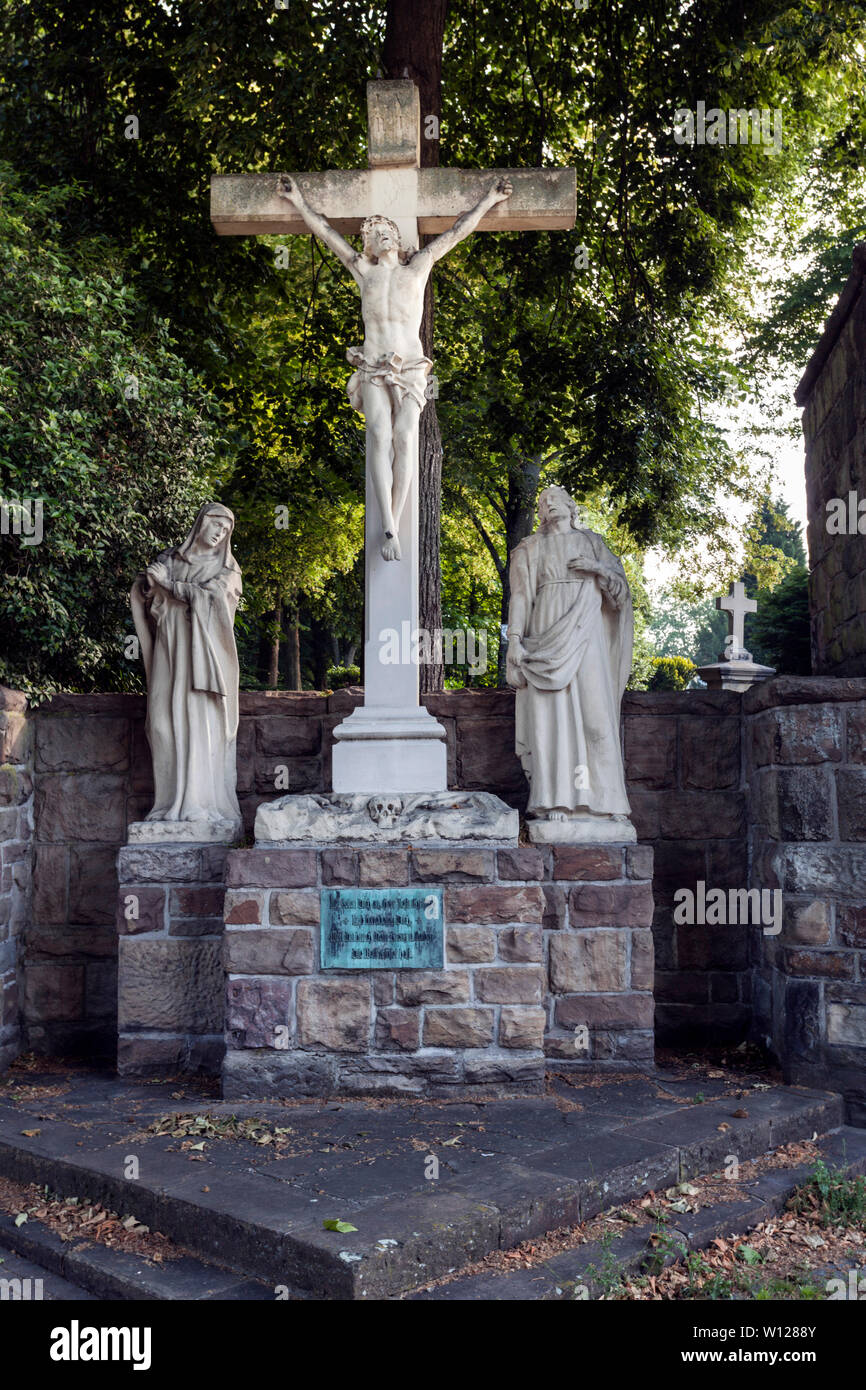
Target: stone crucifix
pixel 392 744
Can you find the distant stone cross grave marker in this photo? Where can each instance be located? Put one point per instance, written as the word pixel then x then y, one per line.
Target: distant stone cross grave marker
pixel 735 670
pixel 392 744
pixel 736 605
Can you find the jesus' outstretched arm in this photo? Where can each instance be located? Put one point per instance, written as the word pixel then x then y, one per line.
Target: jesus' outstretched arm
pixel 498 191
pixel 288 188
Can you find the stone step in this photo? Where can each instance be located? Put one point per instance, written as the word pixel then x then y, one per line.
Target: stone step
pixel 21 1280
pixel 532 1170
pixel 100 1272
pixel 576 1273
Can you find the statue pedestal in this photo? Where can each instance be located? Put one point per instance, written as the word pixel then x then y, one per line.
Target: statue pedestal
pixel 735 675
pixel 582 829
pixel 390 743
pixel 174 832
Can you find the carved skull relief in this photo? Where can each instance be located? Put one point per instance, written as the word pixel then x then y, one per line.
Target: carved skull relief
pixel 384 810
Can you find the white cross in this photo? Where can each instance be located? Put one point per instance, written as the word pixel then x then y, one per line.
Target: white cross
pixel 736 605
pixel 392 744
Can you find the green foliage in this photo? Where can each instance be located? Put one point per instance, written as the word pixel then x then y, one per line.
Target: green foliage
pixel 780 634
pixel 671 673
pixel 338 677
pixel 832 1196
pixel 120 478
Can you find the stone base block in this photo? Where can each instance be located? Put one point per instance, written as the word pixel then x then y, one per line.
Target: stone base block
pixel 579 829
pixel 170 990
pixel 403 750
pixel 199 832
pixel 387 819
pixel 547 952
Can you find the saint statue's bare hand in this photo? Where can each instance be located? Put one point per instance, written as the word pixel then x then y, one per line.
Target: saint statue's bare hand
pixel 501 189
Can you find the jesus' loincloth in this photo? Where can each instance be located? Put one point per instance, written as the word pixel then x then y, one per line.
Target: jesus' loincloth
pixel 399 378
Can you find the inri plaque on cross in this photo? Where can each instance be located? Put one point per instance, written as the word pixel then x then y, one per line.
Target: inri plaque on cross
pixel 391 743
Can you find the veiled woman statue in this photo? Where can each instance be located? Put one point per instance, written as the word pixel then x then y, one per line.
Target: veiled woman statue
pixel 184 610
pixel 570 634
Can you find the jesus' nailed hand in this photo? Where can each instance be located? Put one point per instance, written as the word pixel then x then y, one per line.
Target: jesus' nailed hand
pixel 389 384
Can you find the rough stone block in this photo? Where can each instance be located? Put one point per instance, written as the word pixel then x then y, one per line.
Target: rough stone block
pixel 167 864
pixel 81 743
pixel 828 965
pixel 170 985
pixel 271 868
pixel 458 1027
pixel 50 876
pixel 521 1027
pixel 256 1010
pixel 86 806
pixel 651 750
pixel 201 901
pixel 397 1029
pixel 555 907
pixel 243 907
pixel 493 905
pixel 851 798
pixel 710 753
pixel 642 960
pixel 340 868
pixel 139 908
pixel 53 993
pixel 287 951
pixel 605 1011
pixel 639 861
pixel 510 984
pixel 520 944
pixel 520 863
pixel 470 945
pixel 486 756
pixel 798 735
pixel 383 868
pixel 707 815
pixel 626 905
pixel 594 863
pixel 295 908
pixel 806 922
pixel 851 926
pixel 452 865
pixel 846 1025
pixel 433 987
pixel 588 962
pixel 334 1013
pixel 92 884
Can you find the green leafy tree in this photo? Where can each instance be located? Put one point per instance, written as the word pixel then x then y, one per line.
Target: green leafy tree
pixel 102 423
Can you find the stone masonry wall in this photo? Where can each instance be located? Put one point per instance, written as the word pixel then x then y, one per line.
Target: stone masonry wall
pixel 833 391
pixel 16 830
pixel 170 926
pixel 93 776
pixel 539 942
pixel 807 773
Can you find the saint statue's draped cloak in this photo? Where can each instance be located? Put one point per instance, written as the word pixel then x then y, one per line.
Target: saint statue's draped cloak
pixel 186 630
pixel 577 635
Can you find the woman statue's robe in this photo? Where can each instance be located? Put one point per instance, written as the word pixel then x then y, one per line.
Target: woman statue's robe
pixel 577 637
pixel 186 630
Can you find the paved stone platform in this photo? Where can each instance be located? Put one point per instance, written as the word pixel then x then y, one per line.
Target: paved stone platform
pixel 429 1186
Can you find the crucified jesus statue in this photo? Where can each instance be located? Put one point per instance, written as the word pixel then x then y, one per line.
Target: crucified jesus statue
pixel 388 386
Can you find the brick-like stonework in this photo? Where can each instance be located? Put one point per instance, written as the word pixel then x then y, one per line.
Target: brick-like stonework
pixel 16 834
pixel 806 741
pixel 545 949
pixel 833 391
pixel 169 918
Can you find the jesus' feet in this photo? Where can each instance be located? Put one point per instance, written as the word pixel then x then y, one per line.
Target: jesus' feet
pixel 391 547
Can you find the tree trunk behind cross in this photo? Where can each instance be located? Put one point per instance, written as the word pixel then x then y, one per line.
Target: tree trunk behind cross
pixel 414 31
